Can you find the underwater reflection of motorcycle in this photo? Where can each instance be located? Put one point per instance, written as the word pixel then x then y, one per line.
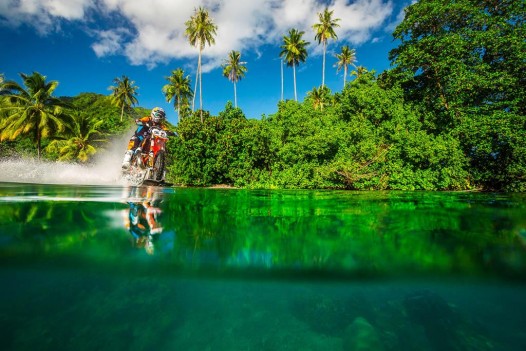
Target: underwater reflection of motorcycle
pixel 142 219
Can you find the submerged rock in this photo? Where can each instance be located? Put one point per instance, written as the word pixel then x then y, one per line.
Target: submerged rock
pixel 360 335
pixel 444 326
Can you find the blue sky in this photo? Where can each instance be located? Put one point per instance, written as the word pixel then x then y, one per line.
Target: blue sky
pixel 85 44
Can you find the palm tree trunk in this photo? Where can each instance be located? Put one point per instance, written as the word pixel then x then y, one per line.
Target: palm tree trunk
pixel 178 111
pixel 281 80
pixel 294 72
pixel 122 112
pixel 39 151
pixel 235 95
pixel 344 74
pixel 200 86
pixel 323 69
pixel 195 87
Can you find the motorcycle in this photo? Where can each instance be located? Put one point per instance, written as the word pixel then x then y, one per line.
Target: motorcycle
pixel 148 162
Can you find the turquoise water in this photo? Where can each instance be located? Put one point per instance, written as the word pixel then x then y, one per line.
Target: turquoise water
pixel 124 268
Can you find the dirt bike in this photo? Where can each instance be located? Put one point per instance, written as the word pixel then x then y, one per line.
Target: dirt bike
pixel 148 160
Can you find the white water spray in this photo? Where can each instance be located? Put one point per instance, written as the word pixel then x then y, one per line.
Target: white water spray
pixel 105 170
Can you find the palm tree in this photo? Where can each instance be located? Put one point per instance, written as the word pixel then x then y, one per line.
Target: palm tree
pixel 234 70
pixel 31 110
pixel 325 31
pixel 178 89
pixel 345 58
pixel 319 97
pixel 294 51
pixel 124 93
pixel 360 70
pixel 80 140
pixel 200 30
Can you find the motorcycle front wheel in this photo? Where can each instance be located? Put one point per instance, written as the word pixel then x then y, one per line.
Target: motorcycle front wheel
pixel 136 173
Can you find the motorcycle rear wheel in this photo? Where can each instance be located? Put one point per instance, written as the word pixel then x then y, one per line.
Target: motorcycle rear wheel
pixel 158 167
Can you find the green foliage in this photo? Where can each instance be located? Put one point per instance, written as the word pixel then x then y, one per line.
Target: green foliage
pixel 366 137
pixel 464 62
pixel 31 109
pixel 100 107
pixel 218 151
pixel 123 94
pixel 80 139
pixel 179 90
pixel 83 119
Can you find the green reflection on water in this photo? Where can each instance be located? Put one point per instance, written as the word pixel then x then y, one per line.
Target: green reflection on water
pixel 326 233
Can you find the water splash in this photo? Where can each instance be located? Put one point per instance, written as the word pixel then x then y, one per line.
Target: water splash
pixel 105 170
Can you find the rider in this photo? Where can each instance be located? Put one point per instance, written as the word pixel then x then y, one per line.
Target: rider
pixel 156 118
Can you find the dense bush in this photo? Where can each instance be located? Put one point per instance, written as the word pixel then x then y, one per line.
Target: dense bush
pixel 368 137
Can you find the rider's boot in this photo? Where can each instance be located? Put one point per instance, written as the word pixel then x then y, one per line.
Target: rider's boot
pixel 127 158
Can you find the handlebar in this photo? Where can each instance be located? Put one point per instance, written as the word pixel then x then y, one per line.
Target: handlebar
pixel 151 127
pixel 140 123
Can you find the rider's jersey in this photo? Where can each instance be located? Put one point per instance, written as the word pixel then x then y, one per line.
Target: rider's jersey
pixel 148 121
pixel 141 133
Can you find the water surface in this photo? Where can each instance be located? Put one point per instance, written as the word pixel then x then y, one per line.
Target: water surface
pixel 111 267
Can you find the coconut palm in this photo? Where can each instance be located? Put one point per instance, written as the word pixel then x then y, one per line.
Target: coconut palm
pixel 319 97
pixel 234 70
pixel 31 110
pixel 82 135
pixel 360 70
pixel 294 51
pixel 200 30
pixel 178 89
pixel 325 31
pixel 345 58
pixel 124 93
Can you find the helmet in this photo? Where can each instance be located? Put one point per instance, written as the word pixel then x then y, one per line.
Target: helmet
pixel 158 115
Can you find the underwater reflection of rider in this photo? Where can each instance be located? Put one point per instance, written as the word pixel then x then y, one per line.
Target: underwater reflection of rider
pixel 143 222
pixel 157 118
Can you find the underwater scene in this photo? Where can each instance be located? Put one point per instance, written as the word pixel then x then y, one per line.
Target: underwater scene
pixel 141 268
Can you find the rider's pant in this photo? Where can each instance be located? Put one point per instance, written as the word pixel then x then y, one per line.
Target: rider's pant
pixel 137 138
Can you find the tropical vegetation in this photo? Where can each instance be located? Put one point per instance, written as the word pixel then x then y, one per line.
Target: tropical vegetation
pixel 80 139
pixel 449 115
pixel 346 58
pixel 179 90
pixel 124 93
pixel 31 109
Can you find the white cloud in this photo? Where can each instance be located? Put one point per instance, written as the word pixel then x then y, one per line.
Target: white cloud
pixel 109 41
pixel 68 9
pixel 159 25
pixel 361 18
pixel 42 14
